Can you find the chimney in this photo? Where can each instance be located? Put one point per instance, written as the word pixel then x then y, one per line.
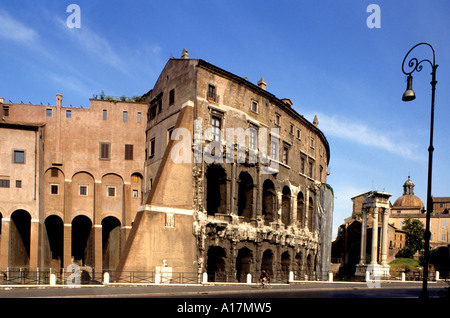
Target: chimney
pixel 315 121
pixel 185 55
pixel 287 101
pixel 262 83
pixel 58 100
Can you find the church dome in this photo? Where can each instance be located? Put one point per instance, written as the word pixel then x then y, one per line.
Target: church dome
pixel 408 199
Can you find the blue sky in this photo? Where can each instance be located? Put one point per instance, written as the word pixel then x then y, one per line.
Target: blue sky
pixel 320 54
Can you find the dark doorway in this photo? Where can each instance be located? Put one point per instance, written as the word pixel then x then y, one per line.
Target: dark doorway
pixel 81 230
pixel 215 266
pixel 55 235
pixel 269 202
pixel 245 196
pixel 243 263
pixel 110 242
pixel 20 238
pixel 216 190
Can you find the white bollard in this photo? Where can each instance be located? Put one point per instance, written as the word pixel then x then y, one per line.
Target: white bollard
pixel 330 277
pixel 291 277
pixel 367 276
pixel 205 278
pixel 106 278
pixel 437 276
pixel 249 278
pixel 403 277
pixel 52 279
pixel 157 278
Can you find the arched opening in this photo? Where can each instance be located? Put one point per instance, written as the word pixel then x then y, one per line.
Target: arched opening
pixel 298 265
pixel 54 228
pixel 286 206
pixel 20 230
pixel 269 202
pixel 285 265
pixel 267 262
pixel 243 263
pixel 81 230
pixel 311 214
pixel 300 209
pixel 310 266
pixel 245 196
pixel 215 266
pixel 216 190
pixel 110 243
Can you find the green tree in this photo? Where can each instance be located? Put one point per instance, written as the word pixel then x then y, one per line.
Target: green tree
pixel 415 231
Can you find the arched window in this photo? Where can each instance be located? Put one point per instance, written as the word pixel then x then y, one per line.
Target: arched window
pixel 269 202
pixel 286 206
pixel 245 195
pixel 216 190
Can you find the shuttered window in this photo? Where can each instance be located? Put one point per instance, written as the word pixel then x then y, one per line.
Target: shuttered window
pixel 128 152
pixel 105 152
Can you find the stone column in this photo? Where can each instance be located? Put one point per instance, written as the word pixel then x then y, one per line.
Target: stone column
pixel 374 237
pixel 362 255
pixel 34 243
pixel 384 237
pixel 4 244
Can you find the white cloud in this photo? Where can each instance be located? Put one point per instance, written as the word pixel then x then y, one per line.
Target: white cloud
pixel 14 30
pixel 361 133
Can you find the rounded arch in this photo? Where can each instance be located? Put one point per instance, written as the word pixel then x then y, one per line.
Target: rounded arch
pixel 54 239
pixel 20 238
pixel 311 215
pixel 245 195
pixel 286 206
pixel 285 265
pixel 269 201
pixel 300 209
pixel 81 230
pixel 81 172
pixel 216 189
pixel 111 242
pixel 267 261
pixel 216 264
pixel 244 260
pixel 51 171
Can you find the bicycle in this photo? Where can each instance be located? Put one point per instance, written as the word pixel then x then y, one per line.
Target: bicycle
pixel 265 282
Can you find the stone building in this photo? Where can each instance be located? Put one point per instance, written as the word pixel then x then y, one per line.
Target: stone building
pixel 160 187
pixel 70 182
pixel 212 205
pixel 409 205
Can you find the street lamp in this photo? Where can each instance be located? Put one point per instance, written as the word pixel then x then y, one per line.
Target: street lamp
pixel 415 65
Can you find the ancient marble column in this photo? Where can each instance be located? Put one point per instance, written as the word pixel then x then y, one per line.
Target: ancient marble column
pixel 374 237
pixel 384 238
pixel 362 255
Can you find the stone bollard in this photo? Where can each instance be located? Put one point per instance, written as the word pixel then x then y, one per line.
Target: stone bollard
pixel 158 278
pixel 367 276
pixel 106 278
pixel 205 278
pixel 291 277
pixel 52 279
pixel 330 277
pixel 403 277
pixel 437 276
pixel 249 278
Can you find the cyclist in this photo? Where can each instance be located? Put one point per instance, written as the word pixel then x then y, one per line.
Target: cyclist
pixel 264 278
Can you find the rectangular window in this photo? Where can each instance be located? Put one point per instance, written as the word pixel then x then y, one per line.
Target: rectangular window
pixel 111 191
pixel 211 96
pixel 254 106
pixel 105 151
pixel 153 112
pixel 312 142
pixel 105 114
pixel 48 112
pixel 68 114
pixel 135 193
pixel 4 183
pixel 252 138
pixel 135 179
pixel 139 117
pixel 83 190
pixel 311 169
pixel 19 156
pixel 277 119
pixel 291 131
pixel 299 134
pixel 18 183
pixel 171 97
pixel 302 165
pixel 169 134
pixel 125 115
pixel 152 147
pixel 54 172
pixel 444 223
pixel 54 189
pixel 6 111
pixel 128 152
pixel 216 123
pixel 274 150
pixel 285 155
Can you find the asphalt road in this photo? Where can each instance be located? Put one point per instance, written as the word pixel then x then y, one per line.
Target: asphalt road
pixel 331 299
